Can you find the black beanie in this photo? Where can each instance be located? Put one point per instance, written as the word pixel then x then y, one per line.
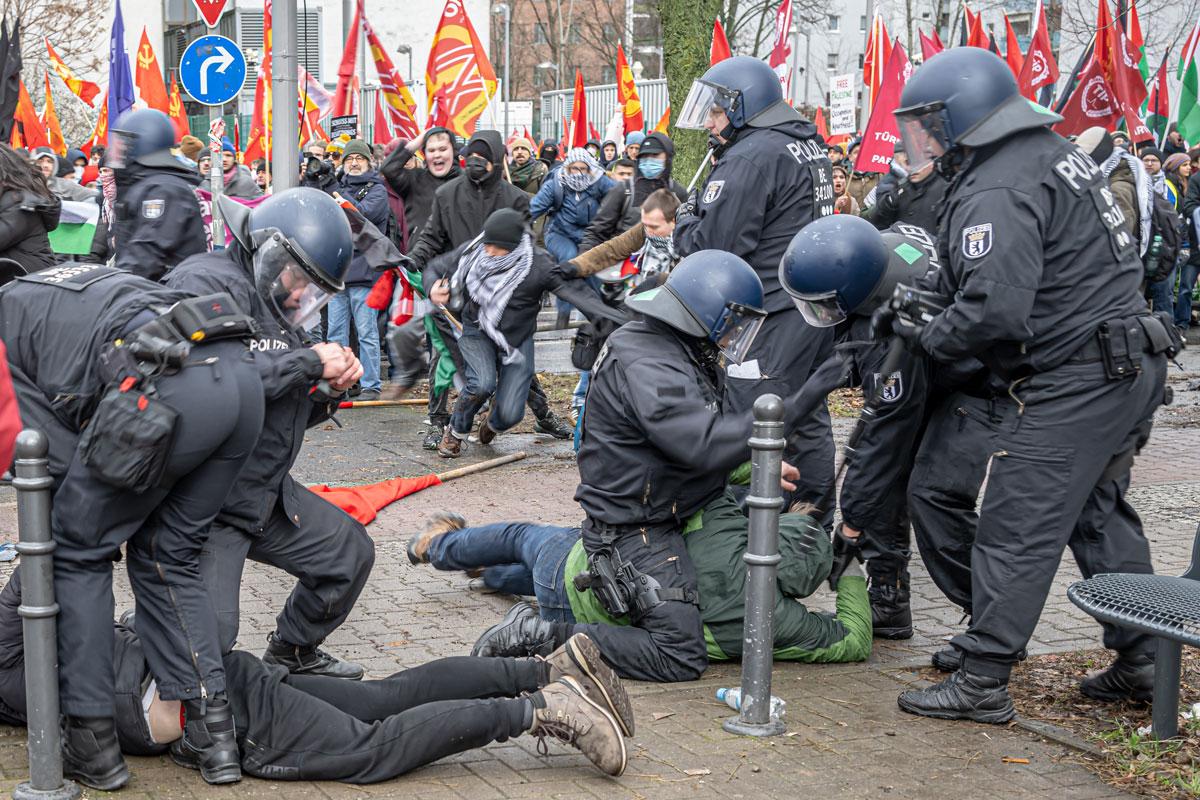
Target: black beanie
pixel 504 228
pixel 1151 151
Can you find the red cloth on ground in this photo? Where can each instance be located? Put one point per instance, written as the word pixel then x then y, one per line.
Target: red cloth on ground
pixel 362 502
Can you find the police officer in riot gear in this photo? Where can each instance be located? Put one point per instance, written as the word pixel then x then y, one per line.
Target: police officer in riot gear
pixel 771 178
pixel 287 259
pixel 839 270
pixel 150 412
pixel 158 220
pixel 1042 280
pixel 657 445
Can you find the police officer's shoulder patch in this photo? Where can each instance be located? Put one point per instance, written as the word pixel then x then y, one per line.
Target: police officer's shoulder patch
pixel 890 389
pixel 977 240
pixel 713 191
pixel 153 209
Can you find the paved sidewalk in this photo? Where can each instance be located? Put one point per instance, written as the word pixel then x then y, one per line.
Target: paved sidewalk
pixel 846 738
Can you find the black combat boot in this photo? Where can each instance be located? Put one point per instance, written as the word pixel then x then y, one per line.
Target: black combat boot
pixel 522 633
pixel 209 741
pixel 891 615
pixel 1129 677
pixel 949 659
pixel 309 660
pixel 91 753
pixel 963 695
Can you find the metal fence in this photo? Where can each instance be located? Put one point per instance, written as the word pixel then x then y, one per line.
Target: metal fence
pixel 601 104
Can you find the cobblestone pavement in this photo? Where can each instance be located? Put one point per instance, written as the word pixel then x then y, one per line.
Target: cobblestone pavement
pixel 846 738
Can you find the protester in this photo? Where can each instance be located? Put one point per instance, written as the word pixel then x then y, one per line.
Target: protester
pixel 548 153
pixel 843 203
pixel 608 153
pixel 861 183
pixel 1128 180
pixel 836 154
pixel 1174 144
pixel 102 242
pixel 28 211
pixel 623 169
pixel 97 154
pixel 238 180
pixel 1191 268
pixel 525 171
pixel 914 198
pixel 633 144
pixel 203 165
pixel 1178 169
pixel 56 171
pixel 262 175
pixel 190 147
pixel 619 210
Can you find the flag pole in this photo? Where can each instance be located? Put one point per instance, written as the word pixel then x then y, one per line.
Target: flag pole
pixel 1069 85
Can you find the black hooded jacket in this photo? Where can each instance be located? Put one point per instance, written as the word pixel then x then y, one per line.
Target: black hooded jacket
pixel 461 206
pixel 619 209
pixel 767 185
pixel 25 219
pixel 416 187
pixel 158 221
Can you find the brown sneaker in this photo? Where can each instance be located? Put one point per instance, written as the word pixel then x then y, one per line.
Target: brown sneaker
pixel 563 711
pixel 486 434
pixel 442 522
pixel 580 659
pixel 451 446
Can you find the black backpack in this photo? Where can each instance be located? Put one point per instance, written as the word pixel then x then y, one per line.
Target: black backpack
pixel 1165 223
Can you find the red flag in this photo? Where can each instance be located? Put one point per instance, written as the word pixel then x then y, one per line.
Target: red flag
pixel 593 134
pixel 84 90
pixel 1092 103
pixel 176 113
pixel 719 51
pixel 50 121
pixel 930 47
pixel 1012 49
pixel 1158 109
pixel 1040 68
pixel 149 79
pixel 663 122
pixel 882 134
pixel 819 121
pixel 28 124
pixel 877 55
pixel 627 95
pixel 1127 75
pixel 100 132
pixel 783 48
pixel 976 35
pixel 258 145
pixel 579 123
pixel 528 138
pixel 397 99
pixel 1103 52
pixel 363 502
pixel 458 66
pixel 383 133
pixel 566 137
pixel 345 99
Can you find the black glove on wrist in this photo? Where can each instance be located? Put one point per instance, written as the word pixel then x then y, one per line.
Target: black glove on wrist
pixel 845 552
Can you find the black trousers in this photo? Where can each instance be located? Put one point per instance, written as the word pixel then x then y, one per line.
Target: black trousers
pixel 326 549
pixel 886 547
pixel 304 727
pixel 220 409
pixel 665 644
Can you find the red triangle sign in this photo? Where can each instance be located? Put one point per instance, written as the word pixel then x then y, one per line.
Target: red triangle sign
pixel 210 10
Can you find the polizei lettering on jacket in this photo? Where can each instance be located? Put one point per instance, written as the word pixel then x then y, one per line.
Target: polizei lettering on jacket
pixel 1077 169
pixel 805 151
pixel 269 344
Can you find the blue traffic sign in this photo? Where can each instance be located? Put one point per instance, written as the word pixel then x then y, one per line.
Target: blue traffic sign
pixel 213 70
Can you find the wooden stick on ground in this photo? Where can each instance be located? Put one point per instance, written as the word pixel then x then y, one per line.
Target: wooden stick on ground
pixel 481 466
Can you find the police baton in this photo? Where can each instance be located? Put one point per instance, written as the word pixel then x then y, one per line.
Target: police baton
pixel 703 163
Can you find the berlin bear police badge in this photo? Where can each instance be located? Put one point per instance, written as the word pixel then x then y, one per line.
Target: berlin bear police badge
pixel 891 389
pixel 977 240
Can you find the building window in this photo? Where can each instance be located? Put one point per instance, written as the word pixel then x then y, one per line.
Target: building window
pixel 860 60
pixel 539 34
pixel 862 24
pixel 835 23
pixel 831 61
pixel 610 32
pixel 573 35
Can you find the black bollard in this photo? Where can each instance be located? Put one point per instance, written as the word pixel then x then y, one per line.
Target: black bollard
pixel 762 559
pixel 38 611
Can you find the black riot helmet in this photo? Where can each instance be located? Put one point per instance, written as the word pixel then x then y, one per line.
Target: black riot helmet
pixel 300 243
pixel 962 97
pixel 746 89
pixel 144 136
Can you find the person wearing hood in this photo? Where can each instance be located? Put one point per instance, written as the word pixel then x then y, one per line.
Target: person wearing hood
pixel 633 144
pixel 364 188
pixel 416 187
pixel 157 221
pixel 28 212
pixel 619 210
pixel 238 180
pixel 571 197
pixel 548 153
pixel 57 169
pixel 526 172
pixel 771 177
pixel 593 147
pixel 608 153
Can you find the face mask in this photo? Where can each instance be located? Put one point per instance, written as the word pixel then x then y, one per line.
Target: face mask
pixel 651 167
pixel 476 170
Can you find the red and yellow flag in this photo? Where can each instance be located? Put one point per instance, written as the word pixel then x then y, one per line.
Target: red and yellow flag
pixel 627 95
pixel 398 103
pixel 28 125
pixel 458 72
pixel 84 90
pixel 579 123
pixel 258 145
pixel 663 122
pixel 100 132
pixel 149 79
pixel 50 122
pixel 345 97
pixel 176 113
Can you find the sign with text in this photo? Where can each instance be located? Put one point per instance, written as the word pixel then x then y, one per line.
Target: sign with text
pixel 347 125
pixel 842 105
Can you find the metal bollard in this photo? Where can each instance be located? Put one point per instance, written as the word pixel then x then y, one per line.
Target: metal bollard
pixel 762 558
pixel 38 611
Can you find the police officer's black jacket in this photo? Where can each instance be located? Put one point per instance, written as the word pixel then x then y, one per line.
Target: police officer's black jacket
pixel 1035 254
pixel 55 336
pixel 656 446
pixel 416 186
pixel 288 369
pixel 768 184
pixel 158 222
pixel 904 201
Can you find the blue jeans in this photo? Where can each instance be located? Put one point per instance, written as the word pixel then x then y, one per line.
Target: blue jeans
pixel 1183 303
pixel 518 555
pixel 485 376
pixel 353 302
pixel 1162 294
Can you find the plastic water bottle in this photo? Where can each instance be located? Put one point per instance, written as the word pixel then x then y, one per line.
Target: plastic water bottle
pixel 733 699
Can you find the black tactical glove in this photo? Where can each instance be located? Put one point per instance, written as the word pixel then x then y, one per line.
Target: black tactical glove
pixel 845 552
pixel 886 322
pixel 688 208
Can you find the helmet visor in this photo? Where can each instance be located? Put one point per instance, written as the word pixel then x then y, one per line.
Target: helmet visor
pixel 821 312
pixel 120 145
pixel 704 101
pixel 925 134
pixel 294 297
pixel 737 331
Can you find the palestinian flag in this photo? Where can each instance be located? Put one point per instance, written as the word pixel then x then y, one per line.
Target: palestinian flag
pixel 1188 110
pixel 1158 106
pixel 76 228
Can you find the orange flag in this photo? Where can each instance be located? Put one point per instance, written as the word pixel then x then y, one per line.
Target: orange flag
pixel 627 95
pixel 149 79
pixel 719 51
pixel 259 143
pixel 398 102
pixel 32 134
pixel 176 113
pixel 50 122
pixel 459 71
pixel 663 121
pixel 364 502
pixel 84 90
pixel 579 121
pixel 100 132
